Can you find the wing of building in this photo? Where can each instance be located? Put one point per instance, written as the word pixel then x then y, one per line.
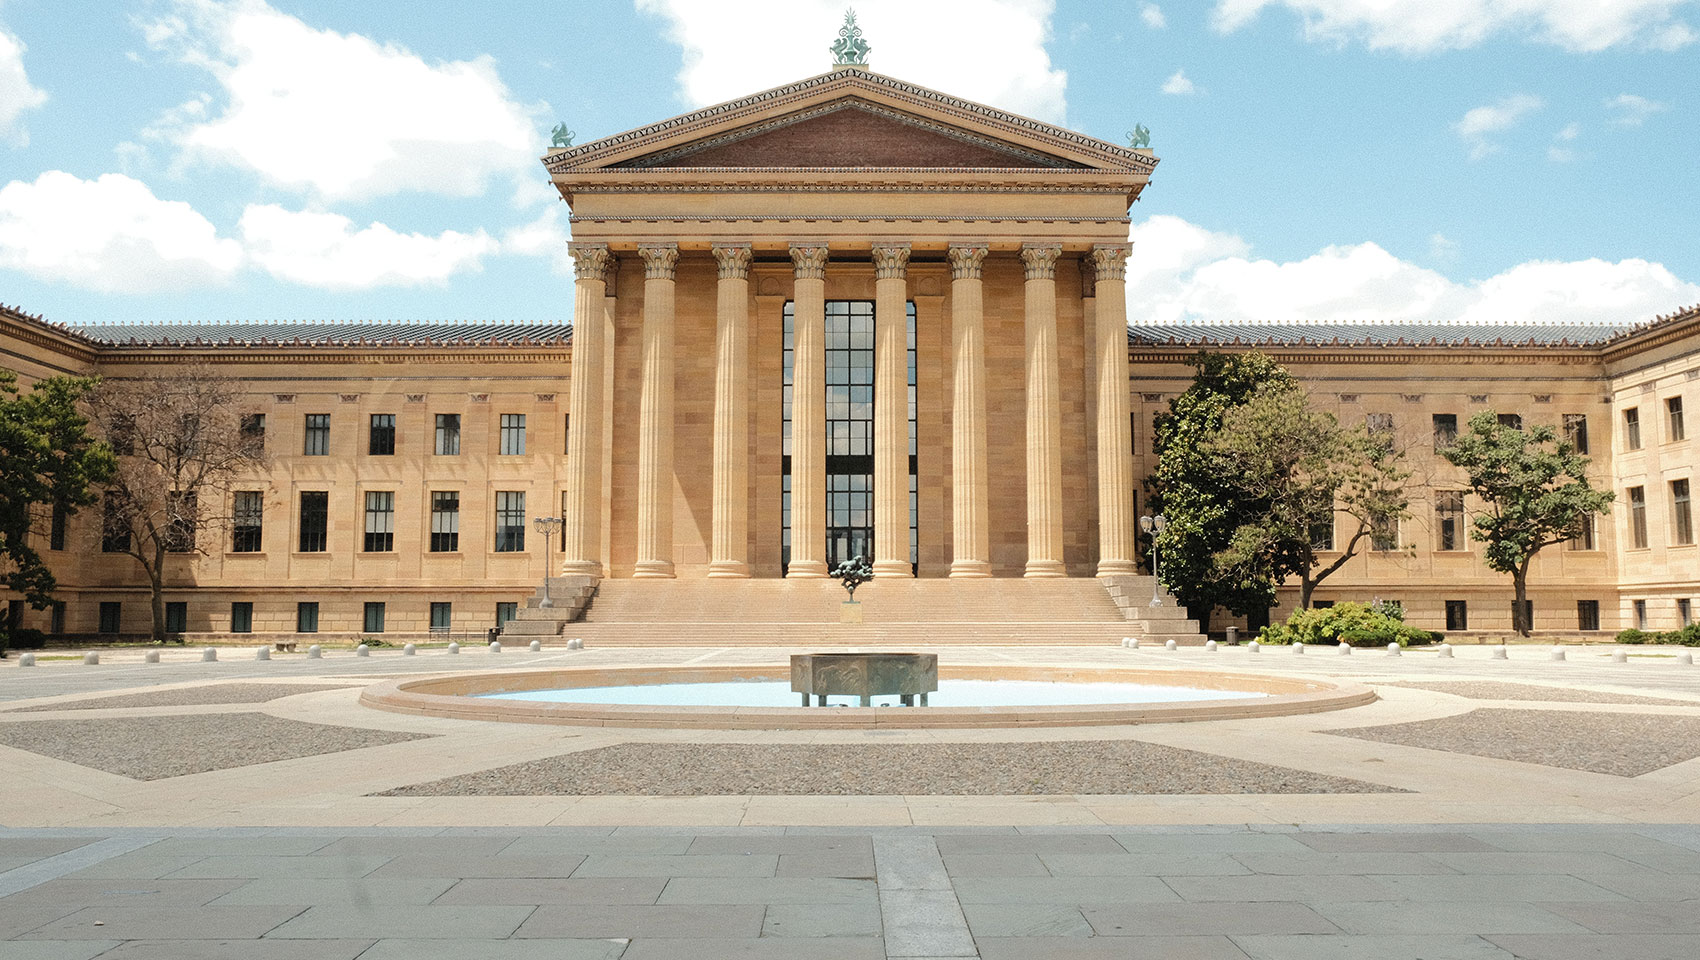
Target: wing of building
pixel 845 317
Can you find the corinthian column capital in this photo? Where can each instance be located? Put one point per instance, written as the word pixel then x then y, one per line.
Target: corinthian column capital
pixel 734 260
pixel 1111 260
pixel 590 260
pixel 891 261
pixel 1041 260
pixel 966 260
pixel 809 260
pixel 659 259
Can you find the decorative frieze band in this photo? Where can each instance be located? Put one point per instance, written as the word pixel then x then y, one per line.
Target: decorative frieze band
pixel 659 260
pixel 891 261
pixel 590 260
pixel 734 260
pixel 809 261
pixel 1041 260
pixel 966 259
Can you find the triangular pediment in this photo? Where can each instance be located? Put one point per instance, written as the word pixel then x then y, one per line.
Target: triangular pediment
pixel 850 118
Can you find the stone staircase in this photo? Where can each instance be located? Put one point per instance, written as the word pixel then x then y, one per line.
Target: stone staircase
pixel 909 613
pixel 1167 621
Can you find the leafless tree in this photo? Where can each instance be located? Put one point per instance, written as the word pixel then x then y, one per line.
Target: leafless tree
pixel 180 445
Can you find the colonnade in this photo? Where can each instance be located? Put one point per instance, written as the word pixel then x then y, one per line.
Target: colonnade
pixel 582 536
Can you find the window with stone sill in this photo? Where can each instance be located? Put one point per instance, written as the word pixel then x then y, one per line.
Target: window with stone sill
pixel 1632 428
pixel 1638 518
pixel 1673 420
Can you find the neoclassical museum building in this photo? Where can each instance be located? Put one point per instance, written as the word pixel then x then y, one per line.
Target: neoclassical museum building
pixel 846 316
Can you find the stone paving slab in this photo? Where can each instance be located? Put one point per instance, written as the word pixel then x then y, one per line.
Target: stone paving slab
pixel 1616 947
pixel 768 890
pixel 837 948
pixel 1665 916
pixel 853 865
pixel 1124 919
pixel 821 920
pixel 581 921
pixel 1311 947
pixel 389 891
pixel 326 868
pixel 58 949
pixel 1462 917
pixel 35 848
pixel 243 949
pixel 708 865
pixel 495 950
pixel 155 923
pixel 393 921
pixel 1111 948
pixel 539 891
pixel 153 893
pixel 1025 920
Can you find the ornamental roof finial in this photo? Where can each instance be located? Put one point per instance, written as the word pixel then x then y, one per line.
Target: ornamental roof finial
pixel 850 50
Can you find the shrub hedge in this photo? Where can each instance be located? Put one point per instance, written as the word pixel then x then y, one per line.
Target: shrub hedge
pixel 1688 636
pixel 1358 624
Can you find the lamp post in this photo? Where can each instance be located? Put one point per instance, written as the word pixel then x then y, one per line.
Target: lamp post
pixel 546 526
pixel 1153 526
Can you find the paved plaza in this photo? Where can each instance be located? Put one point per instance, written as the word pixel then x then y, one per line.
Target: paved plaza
pixel 1480 808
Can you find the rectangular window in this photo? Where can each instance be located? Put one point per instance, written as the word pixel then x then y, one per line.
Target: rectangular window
pixel 448 435
pixel 566 432
pixel 1673 420
pixel 1584 540
pixel 111 616
pixel 307 617
pixel 1638 517
pixel 442 617
pixel 1449 520
pixel 1681 512
pixel 506 612
pixel 512 438
pixel 317 440
pixel 380 441
pixel 56 528
pixel 1379 422
pixel 1322 535
pixel 380 521
pixel 1685 611
pixel 374 620
pixel 176 617
pixel 56 618
pixel 1133 432
pixel 445 521
pixel 1587 614
pixel 242 617
pixel 1445 430
pixel 114 524
pixel 181 522
pixel 315 516
pixel 1384 535
pixel 1632 428
pixel 1457 615
pixel 1640 614
pixel 1512 420
pixel 1576 431
pixel 247 523
pixel 254 431
pixel 510 521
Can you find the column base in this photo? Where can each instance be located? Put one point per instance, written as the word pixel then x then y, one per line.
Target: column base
pixel 728 570
pixel 970 569
pixel 893 568
pixel 1045 568
pixel 653 570
pixel 1117 568
pixel 806 570
pixel 580 568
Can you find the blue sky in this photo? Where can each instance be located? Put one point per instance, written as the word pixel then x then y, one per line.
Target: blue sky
pixel 1347 160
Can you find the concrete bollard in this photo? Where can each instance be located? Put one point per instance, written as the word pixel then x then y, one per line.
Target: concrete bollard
pixel 1499 653
pixel 264 653
pixel 1129 642
pixel 1253 647
pixel 576 643
pixel 1299 649
pixel 26 659
pixel 314 653
pixel 409 650
pixel 1620 656
pixel 1685 658
pixel 536 646
pixel 152 656
pixel 362 651
pixel 454 647
pixel 1345 649
pixel 1393 650
pixel 1210 646
pixel 91 659
pixel 1170 645
pixel 495 646
pixel 1557 652
pixel 209 654
pixel 1444 650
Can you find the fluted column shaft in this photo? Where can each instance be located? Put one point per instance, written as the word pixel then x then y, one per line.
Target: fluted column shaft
pixel 891 411
pixel 808 413
pixel 655 415
pixel 970 533
pixel 1044 415
pixel 729 547
pixel 581 534
pixel 1115 444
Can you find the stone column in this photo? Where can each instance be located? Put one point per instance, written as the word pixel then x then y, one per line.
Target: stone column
pixel 808 413
pixel 1044 415
pixel 581 535
pixel 970 532
pixel 1115 445
pixel 891 411
pixel 655 415
pixel 729 549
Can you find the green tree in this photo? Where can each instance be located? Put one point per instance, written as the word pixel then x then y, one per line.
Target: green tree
pixel 1534 492
pixel 47 461
pixel 1307 468
pixel 1204 506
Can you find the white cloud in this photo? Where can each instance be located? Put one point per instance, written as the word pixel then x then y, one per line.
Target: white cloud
pixel 1441 247
pixel 325 250
pixel 339 114
pixel 1153 16
pixel 992 51
pixel 1178 84
pixel 544 237
pixel 1426 26
pixel 111 235
pixel 1571 131
pixel 1632 111
pixel 1562 154
pixel 1182 273
pixel 1477 123
pixel 17 94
